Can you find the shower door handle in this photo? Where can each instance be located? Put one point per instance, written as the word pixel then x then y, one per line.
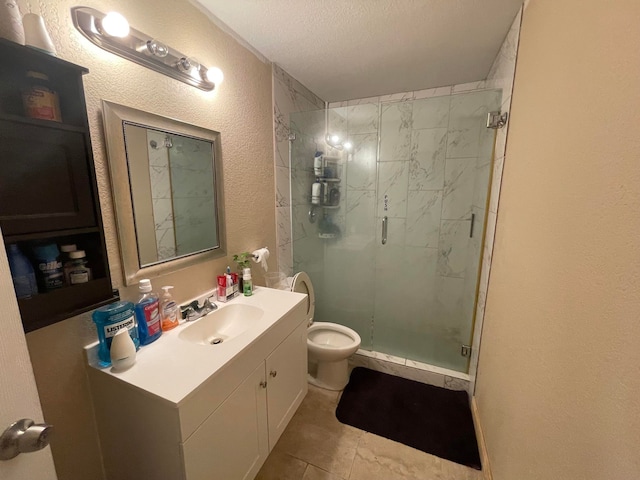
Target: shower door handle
pixel 384 230
pixel 473 221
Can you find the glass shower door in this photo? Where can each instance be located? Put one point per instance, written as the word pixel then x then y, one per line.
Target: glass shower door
pixel 421 168
pixel 433 177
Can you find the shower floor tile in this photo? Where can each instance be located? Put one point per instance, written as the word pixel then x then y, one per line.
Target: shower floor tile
pixel 316 446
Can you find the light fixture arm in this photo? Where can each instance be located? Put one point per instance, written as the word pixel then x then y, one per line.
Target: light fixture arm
pixel 139 48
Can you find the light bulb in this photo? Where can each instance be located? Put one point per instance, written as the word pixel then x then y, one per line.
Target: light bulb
pixel 115 25
pixel 215 75
pixel 348 145
pixel 335 139
pixel 156 48
pixel 185 64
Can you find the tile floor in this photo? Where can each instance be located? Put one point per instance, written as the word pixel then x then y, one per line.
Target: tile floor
pixel 316 446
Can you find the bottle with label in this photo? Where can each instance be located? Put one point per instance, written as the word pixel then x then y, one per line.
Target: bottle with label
pixel 49 272
pixel 318 167
pixel 334 197
pixel 148 314
pixel 169 310
pixel 248 283
pixel 109 320
pixel 22 273
pixel 65 250
pixel 76 270
pixel 39 99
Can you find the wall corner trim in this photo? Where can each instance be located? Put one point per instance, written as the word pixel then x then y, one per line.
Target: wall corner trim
pixel 484 457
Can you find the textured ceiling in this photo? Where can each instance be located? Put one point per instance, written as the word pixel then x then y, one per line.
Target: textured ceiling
pixel 345 49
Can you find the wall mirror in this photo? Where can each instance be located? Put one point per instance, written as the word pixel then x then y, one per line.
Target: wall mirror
pixel 167 189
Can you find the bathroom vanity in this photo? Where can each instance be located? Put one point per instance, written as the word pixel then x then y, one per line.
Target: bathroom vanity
pixel 189 409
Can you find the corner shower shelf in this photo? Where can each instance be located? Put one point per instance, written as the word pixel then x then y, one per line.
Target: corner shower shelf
pixel 328 179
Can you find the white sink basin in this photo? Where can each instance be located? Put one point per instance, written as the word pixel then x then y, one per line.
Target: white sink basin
pixel 182 359
pixel 222 325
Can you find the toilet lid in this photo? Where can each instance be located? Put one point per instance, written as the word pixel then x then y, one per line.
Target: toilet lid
pixel 302 284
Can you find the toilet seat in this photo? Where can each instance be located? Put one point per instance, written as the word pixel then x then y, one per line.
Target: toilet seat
pixel 333 336
pixel 301 283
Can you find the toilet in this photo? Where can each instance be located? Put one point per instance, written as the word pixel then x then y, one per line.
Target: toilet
pixel 328 344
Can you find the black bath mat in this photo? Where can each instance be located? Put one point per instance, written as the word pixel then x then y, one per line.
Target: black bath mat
pixel 428 418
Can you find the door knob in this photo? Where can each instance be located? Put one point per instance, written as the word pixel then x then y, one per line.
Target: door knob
pixel 24 436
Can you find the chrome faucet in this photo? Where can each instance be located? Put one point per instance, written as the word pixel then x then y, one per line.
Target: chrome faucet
pixel 194 311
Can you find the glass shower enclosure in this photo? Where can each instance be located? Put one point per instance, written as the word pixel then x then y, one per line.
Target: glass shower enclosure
pixel 392 236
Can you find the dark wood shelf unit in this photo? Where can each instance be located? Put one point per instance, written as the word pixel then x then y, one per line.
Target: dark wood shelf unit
pixel 51 307
pixel 48 187
pixel 26 237
pixel 20 119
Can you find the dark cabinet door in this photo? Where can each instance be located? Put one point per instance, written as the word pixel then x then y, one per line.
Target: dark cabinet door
pixel 45 184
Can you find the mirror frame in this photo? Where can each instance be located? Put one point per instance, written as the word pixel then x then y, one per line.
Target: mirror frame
pixel 113 116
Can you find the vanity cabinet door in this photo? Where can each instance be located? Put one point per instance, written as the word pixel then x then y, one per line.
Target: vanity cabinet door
pixel 232 443
pixel 287 381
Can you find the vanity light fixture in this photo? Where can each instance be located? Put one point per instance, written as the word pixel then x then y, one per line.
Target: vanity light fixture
pixel 112 33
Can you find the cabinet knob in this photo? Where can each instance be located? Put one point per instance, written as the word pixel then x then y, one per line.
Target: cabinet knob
pixel 263 384
pixel 273 373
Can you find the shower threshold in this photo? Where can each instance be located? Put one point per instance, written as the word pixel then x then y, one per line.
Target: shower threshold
pixel 410 369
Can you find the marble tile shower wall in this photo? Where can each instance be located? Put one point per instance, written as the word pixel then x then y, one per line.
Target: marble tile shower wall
pixel 289 96
pixel 308 254
pixel 433 161
pixel 161 195
pixel 193 195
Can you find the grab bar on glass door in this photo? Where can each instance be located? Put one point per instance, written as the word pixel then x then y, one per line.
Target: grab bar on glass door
pixel 473 221
pixel 384 230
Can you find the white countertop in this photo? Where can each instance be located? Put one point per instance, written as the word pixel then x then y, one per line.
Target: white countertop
pixel 172 367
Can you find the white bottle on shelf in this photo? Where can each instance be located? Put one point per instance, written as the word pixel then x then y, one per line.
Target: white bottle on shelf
pixel 316 193
pixel 318 164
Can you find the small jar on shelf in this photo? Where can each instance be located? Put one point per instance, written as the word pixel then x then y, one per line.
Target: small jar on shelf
pixel 76 271
pixel 40 100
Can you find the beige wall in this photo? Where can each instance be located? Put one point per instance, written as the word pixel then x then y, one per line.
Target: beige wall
pixel 241 109
pixel 558 387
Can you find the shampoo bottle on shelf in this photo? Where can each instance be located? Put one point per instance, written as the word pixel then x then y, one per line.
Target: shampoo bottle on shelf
pixel 49 272
pixel 316 193
pixel 318 167
pixel 148 314
pixel 168 310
